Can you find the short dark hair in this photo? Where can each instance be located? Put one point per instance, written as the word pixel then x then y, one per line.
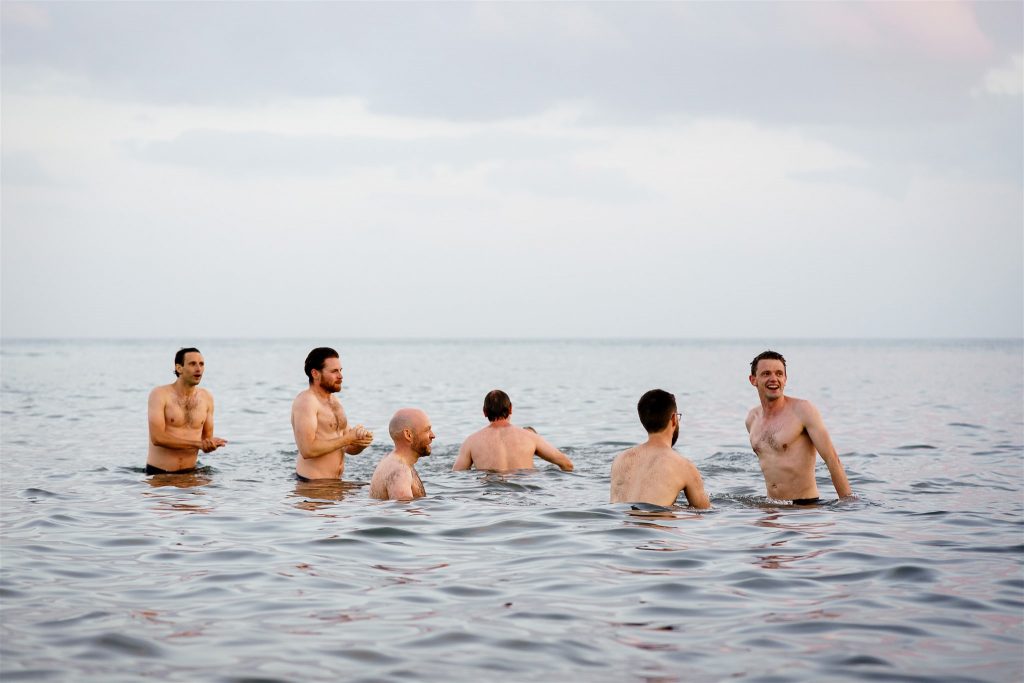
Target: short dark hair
pixel 765 355
pixel 179 358
pixel 315 359
pixel 656 408
pixel 497 405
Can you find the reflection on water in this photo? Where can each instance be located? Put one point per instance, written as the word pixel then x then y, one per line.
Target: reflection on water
pixel 322 494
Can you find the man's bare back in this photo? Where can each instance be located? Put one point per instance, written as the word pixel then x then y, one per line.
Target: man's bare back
pixel 655 474
pixel 181 418
pixel 787 433
pixel 503 447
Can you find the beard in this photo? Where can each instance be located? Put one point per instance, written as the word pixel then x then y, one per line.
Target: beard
pixel 328 386
pixel 422 449
pixel 675 435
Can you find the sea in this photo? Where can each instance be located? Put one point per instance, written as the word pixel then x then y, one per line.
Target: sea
pixel 239 573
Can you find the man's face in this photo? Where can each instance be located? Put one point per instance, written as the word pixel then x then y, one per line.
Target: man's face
pixel 770 379
pixel 422 435
pixel 191 368
pixel 330 375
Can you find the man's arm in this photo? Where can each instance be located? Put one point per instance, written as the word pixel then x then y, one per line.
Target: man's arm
pixel 822 442
pixel 551 454
pixel 694 487
pixel 304 427
pixel 399 485
pixel 158 435
pixel 364 438
pixel 210 442
pixel 465 458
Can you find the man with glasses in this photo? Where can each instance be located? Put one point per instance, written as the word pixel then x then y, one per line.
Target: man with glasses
pixel 654 472
pixel 786 433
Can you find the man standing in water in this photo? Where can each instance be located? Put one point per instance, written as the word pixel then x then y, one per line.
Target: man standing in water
pixel 181 418
pixel 319 423
pixel 654 472
pixel 786 433
pixel 501 446
pixel 395 477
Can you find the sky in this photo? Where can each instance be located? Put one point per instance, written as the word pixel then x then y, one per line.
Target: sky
pixel 451 170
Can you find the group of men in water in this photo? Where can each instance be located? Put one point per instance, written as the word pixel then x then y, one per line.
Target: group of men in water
pixel 786 433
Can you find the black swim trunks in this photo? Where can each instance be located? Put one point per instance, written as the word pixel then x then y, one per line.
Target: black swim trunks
pixel 806 501
pixel 302 478
pixel 156 470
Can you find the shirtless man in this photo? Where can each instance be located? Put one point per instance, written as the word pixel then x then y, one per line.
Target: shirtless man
pixel 501 446
pixel 654 472
pixel 321 429
pixel 786 433
pixel 395 477
pixel 181 418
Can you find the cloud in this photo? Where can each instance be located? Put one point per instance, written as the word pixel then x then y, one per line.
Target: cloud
pixel 1007 79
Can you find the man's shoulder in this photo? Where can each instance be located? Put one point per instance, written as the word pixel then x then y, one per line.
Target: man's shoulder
pixel 800 406
pixel 162 391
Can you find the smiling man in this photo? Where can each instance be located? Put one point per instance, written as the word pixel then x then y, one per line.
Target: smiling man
pixel 395 477
pixel 181 418
pixel 786 433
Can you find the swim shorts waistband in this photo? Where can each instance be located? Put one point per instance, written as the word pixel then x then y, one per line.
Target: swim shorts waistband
pixel 150 469
pixel 302 478
pixel 806 501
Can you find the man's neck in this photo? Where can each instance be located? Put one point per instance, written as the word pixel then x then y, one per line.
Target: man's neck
pixel 320 392
pixel 500 423
pixel 773 406
pixel 183 388
pixel 662 439
pixel 407 455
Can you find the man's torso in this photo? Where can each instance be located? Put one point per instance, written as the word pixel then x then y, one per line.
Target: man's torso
pixel 388 470
pixel 785 452
pixel 647 475
pixel 184 417
pixel 331 423
pixel 502 449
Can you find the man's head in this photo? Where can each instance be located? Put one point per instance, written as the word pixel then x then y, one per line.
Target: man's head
pixel 768 374
pixel 657 410
pixel 323 368
pixel 410 428
pixel 188 362
pixel 497 405
pixel 766 355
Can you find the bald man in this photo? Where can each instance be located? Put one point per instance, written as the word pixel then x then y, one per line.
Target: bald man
pixel 395 477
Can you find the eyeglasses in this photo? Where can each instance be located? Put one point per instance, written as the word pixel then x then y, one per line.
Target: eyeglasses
pixel 679 416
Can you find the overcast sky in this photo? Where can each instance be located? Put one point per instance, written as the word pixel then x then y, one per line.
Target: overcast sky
pixel 763 170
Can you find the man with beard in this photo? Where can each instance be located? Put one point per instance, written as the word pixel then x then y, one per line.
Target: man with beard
pixel 181 418
pixel 786 432
pixel 321 428
pixel 653 472
pixel 395 477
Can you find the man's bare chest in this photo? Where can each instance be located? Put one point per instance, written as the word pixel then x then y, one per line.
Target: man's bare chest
pixel 776 436
pixel 331 418
pixel 185 411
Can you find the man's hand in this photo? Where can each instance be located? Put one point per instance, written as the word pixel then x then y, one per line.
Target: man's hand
pixel 361 436
pixel 213 443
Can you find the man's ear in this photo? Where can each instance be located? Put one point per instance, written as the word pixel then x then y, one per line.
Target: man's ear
pixel 753 381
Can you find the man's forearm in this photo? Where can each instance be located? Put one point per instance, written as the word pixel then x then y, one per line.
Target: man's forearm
pixel 322 447
pixel 174 442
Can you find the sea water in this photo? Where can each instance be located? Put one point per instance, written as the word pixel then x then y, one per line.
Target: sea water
pixel 241 573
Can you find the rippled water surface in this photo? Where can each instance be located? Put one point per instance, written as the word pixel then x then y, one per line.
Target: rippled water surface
pixel 239 573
